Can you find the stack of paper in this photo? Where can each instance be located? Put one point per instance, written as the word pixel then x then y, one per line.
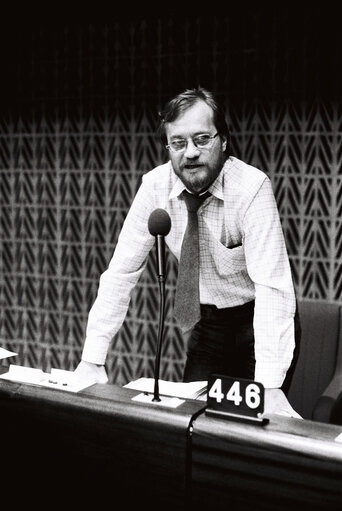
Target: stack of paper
pixel 57 379
pixel 191 390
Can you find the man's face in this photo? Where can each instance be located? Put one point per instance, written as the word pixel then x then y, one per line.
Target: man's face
pixel 196 167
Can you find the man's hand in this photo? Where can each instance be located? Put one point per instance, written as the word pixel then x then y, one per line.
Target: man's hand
pixel 88 371
pixel 276 402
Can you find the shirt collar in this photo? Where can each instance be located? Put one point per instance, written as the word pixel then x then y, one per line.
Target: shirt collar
pixel 216 188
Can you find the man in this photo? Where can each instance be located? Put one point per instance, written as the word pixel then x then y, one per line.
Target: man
pixel 247 321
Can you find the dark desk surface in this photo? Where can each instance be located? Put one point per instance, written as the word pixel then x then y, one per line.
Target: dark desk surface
pixel 288 464
pixel 98 444
pixel 97 441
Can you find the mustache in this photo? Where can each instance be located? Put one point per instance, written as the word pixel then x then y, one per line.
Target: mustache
pixel 193 165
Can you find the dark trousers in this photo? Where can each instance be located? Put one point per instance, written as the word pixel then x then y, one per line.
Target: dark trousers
pixel 222 342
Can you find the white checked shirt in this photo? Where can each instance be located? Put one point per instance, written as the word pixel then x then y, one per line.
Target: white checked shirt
pixel 242 257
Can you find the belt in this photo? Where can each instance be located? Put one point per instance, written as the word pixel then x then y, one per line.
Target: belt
pixel 209 310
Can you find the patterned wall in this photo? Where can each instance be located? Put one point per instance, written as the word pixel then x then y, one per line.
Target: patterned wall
pixel 77 131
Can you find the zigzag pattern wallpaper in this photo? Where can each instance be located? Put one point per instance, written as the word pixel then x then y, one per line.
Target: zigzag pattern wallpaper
pixel 77 131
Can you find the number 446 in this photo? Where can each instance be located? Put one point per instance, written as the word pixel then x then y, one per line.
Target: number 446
pixel 251 397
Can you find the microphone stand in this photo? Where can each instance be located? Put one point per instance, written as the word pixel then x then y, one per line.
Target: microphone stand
pixel 160 247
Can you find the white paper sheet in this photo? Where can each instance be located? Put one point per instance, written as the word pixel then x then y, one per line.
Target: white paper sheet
pixel 191 390
pixel 338 438
pixel 57 379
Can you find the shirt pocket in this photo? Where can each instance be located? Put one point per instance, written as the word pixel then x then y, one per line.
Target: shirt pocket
pixel 229 260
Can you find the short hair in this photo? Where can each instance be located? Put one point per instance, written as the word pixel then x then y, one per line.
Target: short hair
pixel 180 103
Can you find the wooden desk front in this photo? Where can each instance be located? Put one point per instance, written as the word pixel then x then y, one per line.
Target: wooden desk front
pixel 95 446
pixel 290 464
pixel 98 447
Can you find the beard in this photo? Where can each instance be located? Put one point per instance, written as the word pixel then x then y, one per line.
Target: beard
pixel 197 176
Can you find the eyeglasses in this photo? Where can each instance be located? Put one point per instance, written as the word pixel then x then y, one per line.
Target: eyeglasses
pixel 202 141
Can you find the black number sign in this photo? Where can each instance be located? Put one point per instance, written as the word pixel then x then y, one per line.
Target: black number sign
pixel 235 398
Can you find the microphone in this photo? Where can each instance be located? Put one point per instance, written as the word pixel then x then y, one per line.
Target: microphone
pixel 159 225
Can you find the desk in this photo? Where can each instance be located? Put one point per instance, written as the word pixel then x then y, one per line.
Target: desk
pixel 94 446
pixel 290 464
pixel 100 448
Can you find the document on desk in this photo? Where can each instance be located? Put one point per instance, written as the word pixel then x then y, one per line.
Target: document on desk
pixel 6 353
pixel 338 438
pixel 56 379
pixel 190 390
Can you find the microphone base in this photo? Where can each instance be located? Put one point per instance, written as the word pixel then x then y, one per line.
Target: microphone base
pixel 167 401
